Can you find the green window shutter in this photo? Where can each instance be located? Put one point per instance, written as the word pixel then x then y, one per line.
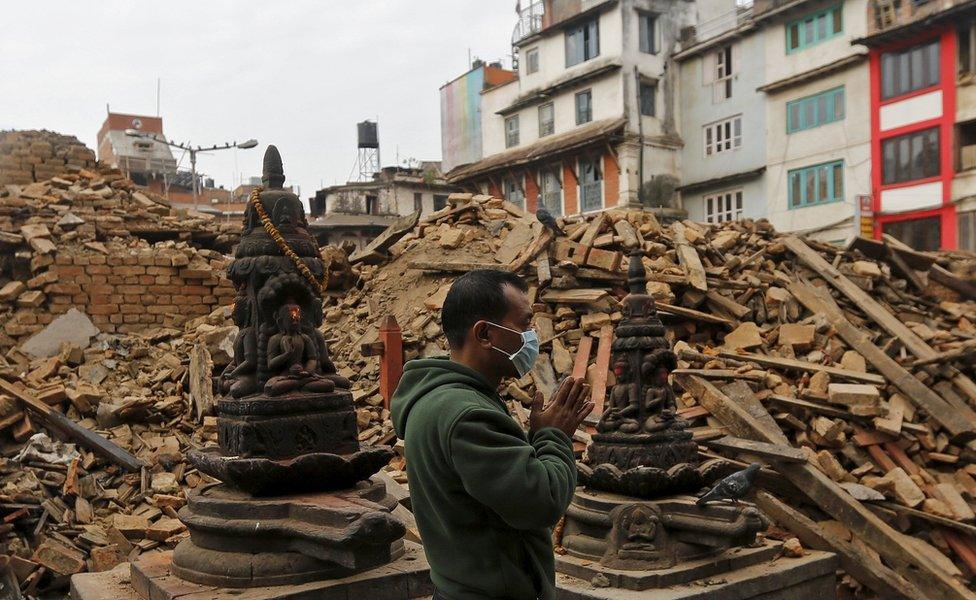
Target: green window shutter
pixel 814 28
pixel 816 184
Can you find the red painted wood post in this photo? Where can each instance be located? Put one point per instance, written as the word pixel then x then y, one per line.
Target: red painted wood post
pixel 391 363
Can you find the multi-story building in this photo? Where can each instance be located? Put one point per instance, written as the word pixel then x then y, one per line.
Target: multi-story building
pixel 143 161
pixel 358 211
pixel 923 120
pixel 768 127
pixel 590 122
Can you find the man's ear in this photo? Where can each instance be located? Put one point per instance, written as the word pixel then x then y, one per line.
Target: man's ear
pixel 480 332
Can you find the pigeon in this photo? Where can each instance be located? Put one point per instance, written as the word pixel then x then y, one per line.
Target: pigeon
pixel 733 487
pixel 545 217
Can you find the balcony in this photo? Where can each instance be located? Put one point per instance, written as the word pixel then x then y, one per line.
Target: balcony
pixel 529 21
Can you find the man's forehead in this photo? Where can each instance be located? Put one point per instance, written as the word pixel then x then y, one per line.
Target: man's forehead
pixel 518 303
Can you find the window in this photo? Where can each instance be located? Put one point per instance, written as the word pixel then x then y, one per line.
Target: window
pixel 418 202
pixel 372 205
pixel 590 184
pixel 584 107
pixel 724 206
pixel 967 230
pixel 921 234
pixel 547 120
pixel 911 156
pixel 648 32
pixel 908 70
pixel 582 43
pixel 816 110
pixel 967 48
pixel 512 190
pixel 818 184
pixel 552 189
pixel 813 29
pixel 440 201
pixel 531 61
pixel 723 136
pixel 965 146
pixel 723 74
pixel 512 131
pixel 648 97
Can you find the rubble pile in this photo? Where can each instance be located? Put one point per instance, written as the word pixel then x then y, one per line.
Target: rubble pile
pixel 861 358
pixel 29 156
pixel 87 238
pixel 69 507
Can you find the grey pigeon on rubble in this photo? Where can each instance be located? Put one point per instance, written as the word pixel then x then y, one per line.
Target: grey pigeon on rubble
pixel 733 487
pixel 545 217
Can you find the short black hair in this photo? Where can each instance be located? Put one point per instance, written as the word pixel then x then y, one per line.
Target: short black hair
pixel 476 295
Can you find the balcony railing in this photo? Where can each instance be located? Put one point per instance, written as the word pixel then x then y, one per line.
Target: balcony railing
pixel 529 22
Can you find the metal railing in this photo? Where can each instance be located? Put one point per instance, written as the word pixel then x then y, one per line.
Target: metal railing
pixel 725 22
pixel 529 22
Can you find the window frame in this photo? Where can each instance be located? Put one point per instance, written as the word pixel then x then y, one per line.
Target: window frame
pixel 812 103
pixel 588 94
pixel 899 162
pixel 511 134
pixel 557 170
pixel 588 37
pixel 724 72
pixel 647 85
pixel 894 58
pixel 517 185
pixel 529 55
pixel 597 161
pixel 547 128
pixel 829 14
pixel 714 136
pixel 645 45
pixel 802 177
pixel 723 214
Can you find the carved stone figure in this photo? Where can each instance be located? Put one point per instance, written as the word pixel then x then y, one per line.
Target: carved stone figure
pixel 296 502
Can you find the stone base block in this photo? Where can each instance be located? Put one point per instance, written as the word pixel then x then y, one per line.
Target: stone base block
pixel 407 578
pixel 237 540
pixel 810 577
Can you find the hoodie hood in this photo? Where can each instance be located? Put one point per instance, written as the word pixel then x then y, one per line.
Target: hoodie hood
pixel 422 376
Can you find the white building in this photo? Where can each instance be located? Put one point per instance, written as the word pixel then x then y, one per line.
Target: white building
pixel 591 114
pixel 799 153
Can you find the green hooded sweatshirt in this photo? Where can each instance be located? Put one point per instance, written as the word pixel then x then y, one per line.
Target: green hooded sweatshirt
pixel 485 495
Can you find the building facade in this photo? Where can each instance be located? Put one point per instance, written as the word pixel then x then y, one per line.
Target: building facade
pixel 590 121
pixel 923 121
pixel 356 212
pixel 143 161
pixel 773 119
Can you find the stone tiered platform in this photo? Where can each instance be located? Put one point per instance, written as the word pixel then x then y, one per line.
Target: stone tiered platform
pixel 150 578
pixel 750 574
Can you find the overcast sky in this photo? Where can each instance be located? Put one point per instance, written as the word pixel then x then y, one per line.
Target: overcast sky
pixel 296 73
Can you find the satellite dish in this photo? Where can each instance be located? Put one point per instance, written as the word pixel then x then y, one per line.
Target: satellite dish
pixel 137 123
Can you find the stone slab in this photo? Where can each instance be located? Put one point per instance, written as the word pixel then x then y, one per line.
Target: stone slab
pixel 812 576
pixel 407 578
pixel 73 327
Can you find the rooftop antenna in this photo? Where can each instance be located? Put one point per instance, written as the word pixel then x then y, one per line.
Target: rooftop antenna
pixel 158 86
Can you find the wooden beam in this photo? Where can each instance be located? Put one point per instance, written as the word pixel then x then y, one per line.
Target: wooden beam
pixel 688 258
pixel 444 266
pixel 690 313
pixel 792 364
pixel 599 391
pixel 829 497
pixel 579 296
pixel 73 431
pixel 958 426
pixel 774 452
pixel 582 356
pixel 861 565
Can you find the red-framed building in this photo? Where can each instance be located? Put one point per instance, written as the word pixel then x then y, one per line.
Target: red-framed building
pixel 917 152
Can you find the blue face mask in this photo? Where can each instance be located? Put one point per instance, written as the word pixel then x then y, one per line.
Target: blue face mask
pixel 526 355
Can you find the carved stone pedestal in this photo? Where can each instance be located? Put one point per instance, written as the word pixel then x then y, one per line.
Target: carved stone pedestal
pixel 241 541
